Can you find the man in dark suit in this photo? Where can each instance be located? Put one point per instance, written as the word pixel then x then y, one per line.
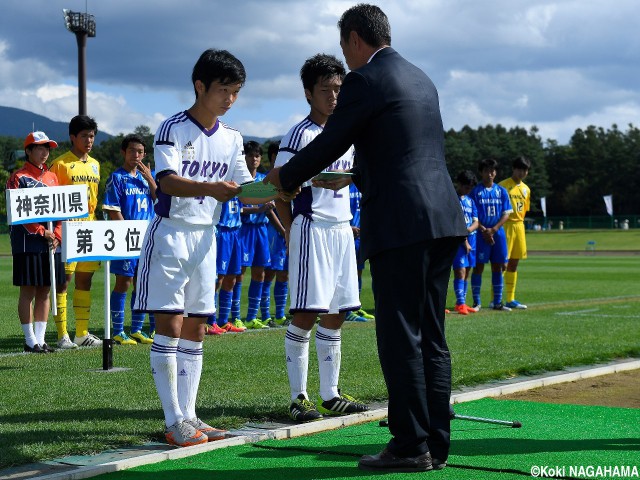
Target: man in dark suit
pixel 411 226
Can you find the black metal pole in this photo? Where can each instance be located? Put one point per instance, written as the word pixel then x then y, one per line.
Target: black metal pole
pixel 81 38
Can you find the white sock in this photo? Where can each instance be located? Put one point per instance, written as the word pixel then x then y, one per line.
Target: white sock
pixel 189 359
pixel 296 349
pixel 40 328
pixel 329 355
pixel 29 336
pixel 165 372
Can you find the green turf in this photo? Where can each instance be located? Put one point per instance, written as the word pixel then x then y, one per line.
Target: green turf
pixel 551 436
pixel 583 310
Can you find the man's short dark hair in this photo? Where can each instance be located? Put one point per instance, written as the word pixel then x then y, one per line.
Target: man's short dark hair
pixel 80 123
pixel 369 22
pixel 522 162
pixel 218 66
pixel 252 148
pixel 319 67
pixel 466 177
pixel 132 138
pixel 490 163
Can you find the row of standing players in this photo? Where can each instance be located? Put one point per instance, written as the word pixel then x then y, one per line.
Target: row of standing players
pixel 130 195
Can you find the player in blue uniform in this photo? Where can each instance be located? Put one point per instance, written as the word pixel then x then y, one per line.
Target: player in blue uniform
pixel 129 195
pixel 465 258
pixel 228 265
pixel 279 267
pixel 255 240
pixel 494 208
pixel 354 202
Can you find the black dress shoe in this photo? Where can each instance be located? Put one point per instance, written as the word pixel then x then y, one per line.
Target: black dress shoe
pixel 386 461
pixel 438 464
pixel 47 349
pixel 35 349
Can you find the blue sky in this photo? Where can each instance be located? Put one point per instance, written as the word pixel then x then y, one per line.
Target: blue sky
pixel 559 65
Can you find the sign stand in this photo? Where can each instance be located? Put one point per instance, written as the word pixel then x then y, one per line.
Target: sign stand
pixel 52 275
pixel 107 342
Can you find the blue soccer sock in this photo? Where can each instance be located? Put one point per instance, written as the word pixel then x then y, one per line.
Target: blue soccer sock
pixel 235 302
pixel 280 291
pixel 459 290
pixel 498 284
pixel 137 318
pixel 265 301
pixel 466 287
pixel 224 306
pixel 359 284
pixel 211 319
pixel 118 301
pixel 152 323
pixel 476 286
pixel 255 293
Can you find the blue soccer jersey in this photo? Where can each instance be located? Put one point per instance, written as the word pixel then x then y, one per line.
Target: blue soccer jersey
pixel 354 197
pixel 492 203
pixel 256 218
pixel 470 213
pixel 230 214
pixel 129 194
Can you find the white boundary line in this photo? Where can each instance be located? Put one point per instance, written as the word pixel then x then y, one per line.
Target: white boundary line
pixel 254 435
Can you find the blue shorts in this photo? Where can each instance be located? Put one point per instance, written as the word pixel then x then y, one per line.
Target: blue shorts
pixel 125 268
pixel 255 245
pixel 496 253
pixel 360 264
pixel 464 259
pixel 278 250
pixel 229 258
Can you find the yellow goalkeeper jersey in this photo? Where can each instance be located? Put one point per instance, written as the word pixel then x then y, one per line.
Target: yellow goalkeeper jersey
pixel 520 196
pixel 70 170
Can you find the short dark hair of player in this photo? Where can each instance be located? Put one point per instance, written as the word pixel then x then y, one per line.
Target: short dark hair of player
pixel 80 123
pixel 466 178
pixel 218 66
pixel 132 138
pixel 369 22
pixel 273 149
pixel 522 163
pixel 487 163
pixel 319 67
pixel 252 148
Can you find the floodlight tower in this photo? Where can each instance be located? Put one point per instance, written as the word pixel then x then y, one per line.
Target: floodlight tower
pixel 82 25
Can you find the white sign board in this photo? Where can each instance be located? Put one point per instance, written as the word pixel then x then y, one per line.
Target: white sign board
pixel 102 240
pixel 30 205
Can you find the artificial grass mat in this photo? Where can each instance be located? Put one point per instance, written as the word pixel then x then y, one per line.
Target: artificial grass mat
pixel 552 436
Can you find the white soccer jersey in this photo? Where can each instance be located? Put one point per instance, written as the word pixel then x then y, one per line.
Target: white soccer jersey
pixel 316 203
pixel 186 148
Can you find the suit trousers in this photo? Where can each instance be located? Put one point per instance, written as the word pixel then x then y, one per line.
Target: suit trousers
pixel 410 289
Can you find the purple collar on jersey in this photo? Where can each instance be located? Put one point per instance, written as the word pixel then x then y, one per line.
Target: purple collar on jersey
pixel 208 133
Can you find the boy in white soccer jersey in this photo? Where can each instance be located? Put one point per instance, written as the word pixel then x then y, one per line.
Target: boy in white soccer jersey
pixel 322 263
pixel 520 196
pixel 199 163
pixel 129 195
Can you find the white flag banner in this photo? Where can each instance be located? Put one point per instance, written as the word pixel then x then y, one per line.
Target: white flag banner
pixel 608 201
pixel 29 205
pixel 102 240
pixel 543 205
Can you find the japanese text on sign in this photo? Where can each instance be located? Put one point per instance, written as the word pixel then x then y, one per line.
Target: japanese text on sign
pixel 102 240
pixel 29 205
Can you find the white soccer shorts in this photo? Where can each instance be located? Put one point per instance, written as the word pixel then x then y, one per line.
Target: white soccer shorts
pixel 177 269
pixel 323 274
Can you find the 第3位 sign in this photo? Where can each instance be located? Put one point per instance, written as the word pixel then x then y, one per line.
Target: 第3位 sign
pixel 29 205
pixel 102 240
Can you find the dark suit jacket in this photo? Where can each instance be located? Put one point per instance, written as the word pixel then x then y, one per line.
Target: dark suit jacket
pixel 389 110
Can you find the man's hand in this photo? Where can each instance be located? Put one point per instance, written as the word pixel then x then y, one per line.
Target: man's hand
pixel 337 184
pixel 273 177
pixel 144 170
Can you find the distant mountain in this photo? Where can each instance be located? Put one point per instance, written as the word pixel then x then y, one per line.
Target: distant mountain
pixel 18 123
pixel 261 140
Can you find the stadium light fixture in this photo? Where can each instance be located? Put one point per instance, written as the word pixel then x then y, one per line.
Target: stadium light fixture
pixel 83 25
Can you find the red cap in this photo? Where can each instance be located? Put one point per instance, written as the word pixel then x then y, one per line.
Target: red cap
pixel 38 138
